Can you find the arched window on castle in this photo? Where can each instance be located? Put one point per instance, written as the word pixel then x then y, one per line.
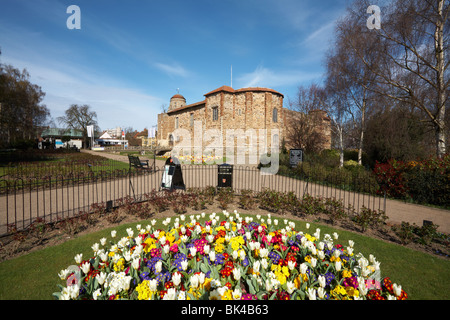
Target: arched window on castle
pixel 275 115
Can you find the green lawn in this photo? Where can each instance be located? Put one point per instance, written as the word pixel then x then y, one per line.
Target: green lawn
pixel 35 275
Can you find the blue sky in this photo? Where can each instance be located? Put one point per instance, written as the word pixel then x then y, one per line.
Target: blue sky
pixel 130 57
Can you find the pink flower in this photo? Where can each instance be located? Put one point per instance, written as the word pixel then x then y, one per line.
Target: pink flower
pixel 174 248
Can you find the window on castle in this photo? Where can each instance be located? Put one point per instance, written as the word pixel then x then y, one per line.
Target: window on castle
pixel 215 115
pixel 192 119
pixel 275 115
pixel 176 123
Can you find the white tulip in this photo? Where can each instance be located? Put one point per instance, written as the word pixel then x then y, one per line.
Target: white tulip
pixel 338 265
pixel 176 278
pixel 153 284
pixel 194 281
pixel 201 278
pixel 79 258
pixel 135 264
pixel 290 287
pixel 397 289
pixel 236 274
pixel 101 278
pixel 311 293
pixel 158 266
pixel 256 266
pixel 264 263
pixel 291 265
pixel 322 281
pixel 212 256
pixel 130 232
pixel 181 295
pixel 303 268
pixel 86 267
pixel 97 293
pixel 321 292
pixel 113 233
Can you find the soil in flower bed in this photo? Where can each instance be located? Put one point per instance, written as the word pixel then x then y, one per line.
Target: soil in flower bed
pixel 37 238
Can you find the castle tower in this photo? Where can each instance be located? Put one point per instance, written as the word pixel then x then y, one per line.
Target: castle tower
pixel 177 101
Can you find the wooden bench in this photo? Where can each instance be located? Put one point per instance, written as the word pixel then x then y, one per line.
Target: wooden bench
pixel 136 163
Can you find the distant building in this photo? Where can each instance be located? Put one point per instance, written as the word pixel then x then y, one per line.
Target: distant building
pixel 115 133
pixel 105 140
pixel 55 138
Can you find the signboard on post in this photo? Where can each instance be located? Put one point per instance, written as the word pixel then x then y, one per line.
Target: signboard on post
pixel 224 176
pixel 295 156
pixel 172 177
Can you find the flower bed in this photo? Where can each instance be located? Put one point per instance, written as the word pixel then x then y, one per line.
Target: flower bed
pixel 226 257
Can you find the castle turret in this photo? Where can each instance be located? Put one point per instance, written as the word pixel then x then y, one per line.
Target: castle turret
pixel 177 101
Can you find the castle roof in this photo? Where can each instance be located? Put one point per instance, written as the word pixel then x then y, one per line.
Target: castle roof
pixel 179 96
pixel 221 89
pixel 188 106
pixel 251 89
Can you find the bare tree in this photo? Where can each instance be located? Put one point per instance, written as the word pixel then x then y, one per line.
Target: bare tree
pixel 307 122
pixel 79 117
pixel 412 46
pixel 349 79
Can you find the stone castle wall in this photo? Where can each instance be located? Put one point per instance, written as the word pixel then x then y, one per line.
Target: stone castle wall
pixel 247 110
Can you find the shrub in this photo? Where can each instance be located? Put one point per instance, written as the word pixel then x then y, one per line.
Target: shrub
pixel 225 196
pixel 270 200
pixel 427 233
pixel 311 205
pixel 391 179
pixel 427 181
pixel 405 232
pixel 369 218
pixel 335 209
pixel 247 199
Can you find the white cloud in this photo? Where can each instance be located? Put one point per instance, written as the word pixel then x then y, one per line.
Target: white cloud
pixel 172 70
pixel 264 77
pixel 114 103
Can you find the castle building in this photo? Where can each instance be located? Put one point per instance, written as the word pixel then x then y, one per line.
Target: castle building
pixel 257 113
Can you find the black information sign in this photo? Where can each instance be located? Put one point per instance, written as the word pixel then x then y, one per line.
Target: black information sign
pixel 224 175
pixel 172 177
pixel 295 156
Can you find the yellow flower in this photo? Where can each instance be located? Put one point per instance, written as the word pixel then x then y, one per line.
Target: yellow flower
pixel 333 259
pixel 281 273
pixel 144 291
pixel 120 265
pixel 227 295
pixel 352 292
pixel 308 259
pixel 310 238
pixel 219 248
pixel 150 244
pixel 346 273
pixel 338 290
